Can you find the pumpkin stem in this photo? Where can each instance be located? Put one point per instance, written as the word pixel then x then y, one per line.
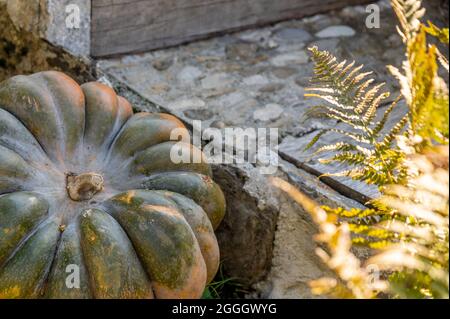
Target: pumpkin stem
pixel 84 186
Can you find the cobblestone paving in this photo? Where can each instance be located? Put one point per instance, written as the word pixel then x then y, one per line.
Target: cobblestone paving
pixel 257 78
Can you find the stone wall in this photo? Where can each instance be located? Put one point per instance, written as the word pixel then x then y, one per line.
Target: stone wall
pixel 30 41
pixel 53 20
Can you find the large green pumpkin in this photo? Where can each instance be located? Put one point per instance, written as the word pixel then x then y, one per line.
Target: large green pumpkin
pixel 88 192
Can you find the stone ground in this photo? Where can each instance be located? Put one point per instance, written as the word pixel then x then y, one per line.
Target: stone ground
pixel 257 78
pixel 254 78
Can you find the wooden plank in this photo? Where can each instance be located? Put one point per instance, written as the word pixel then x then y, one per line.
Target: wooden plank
pixel 125 26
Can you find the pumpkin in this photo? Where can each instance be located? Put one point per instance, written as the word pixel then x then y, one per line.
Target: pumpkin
pixel 91 206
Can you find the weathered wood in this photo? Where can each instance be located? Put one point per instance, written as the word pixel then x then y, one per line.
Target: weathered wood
pixel 335 184
pixel 124 26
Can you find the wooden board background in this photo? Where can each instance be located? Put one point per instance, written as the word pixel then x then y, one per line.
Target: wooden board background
pixel 126 26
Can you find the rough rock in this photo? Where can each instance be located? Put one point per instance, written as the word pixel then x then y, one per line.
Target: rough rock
pixel 271 87
pixel 162 64
pixel 293 34
pixel 290 58
pixel 256 79
pixel 247 232
pixel 189 74
pixel 52 20
pixel 218 80
pixel 186 103
pixel 294 261
pixel 241 51
pixel 269 112
pixel 238 70
pixel 266 238
pixel 336 31
pixel 24 52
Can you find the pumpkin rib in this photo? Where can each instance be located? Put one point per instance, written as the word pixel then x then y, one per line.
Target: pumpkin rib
pixel 83 257
pixel 200 188
pixel 155 230
pixel 143 130
pixel 14 168
pixel 31 276
pixel 107 248
pixel 36 171
pixel 203 230
pixel 195 216
pixel 101 114
pixel 153 160
pixel 10 91
pixel 14 135
pixel 44 283
pixel 64 90
pixel 105 208
pixel 38 207
pixel 23 241
pixel 125 112
pixel 30 177
pixel 68 252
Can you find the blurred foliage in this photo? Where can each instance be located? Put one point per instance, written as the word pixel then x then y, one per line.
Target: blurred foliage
pixel 407 227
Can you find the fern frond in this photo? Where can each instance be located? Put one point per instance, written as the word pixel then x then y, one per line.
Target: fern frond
pixel 389 138
pixel 423 208
pixel 443 60
pixel 351 213
pixel 381 124
pixel 409 225
pixel 351 158
pixel 409 13
pixel 425 92
pixel 343 147
pixel 352 280
pixel 353 100
pixel 371 110
pixel 314 140
pixel 411 240
pixel 441 34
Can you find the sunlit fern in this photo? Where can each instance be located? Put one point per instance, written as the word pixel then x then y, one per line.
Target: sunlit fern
pixel 425 92
pixel 352 98
pixel 408 225
pixel 412 245
pixel 420 259
pixel 409 13
pixel 351 280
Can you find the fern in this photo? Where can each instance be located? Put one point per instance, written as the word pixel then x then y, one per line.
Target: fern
pixel 441 34
pixel 408 225
pixel 352 280
pixel 424 91
pixel 422 257
pixel 410 231
pixel 353 99
pixel 409 13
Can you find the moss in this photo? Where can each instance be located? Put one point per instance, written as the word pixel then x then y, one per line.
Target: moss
pixel 25 53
